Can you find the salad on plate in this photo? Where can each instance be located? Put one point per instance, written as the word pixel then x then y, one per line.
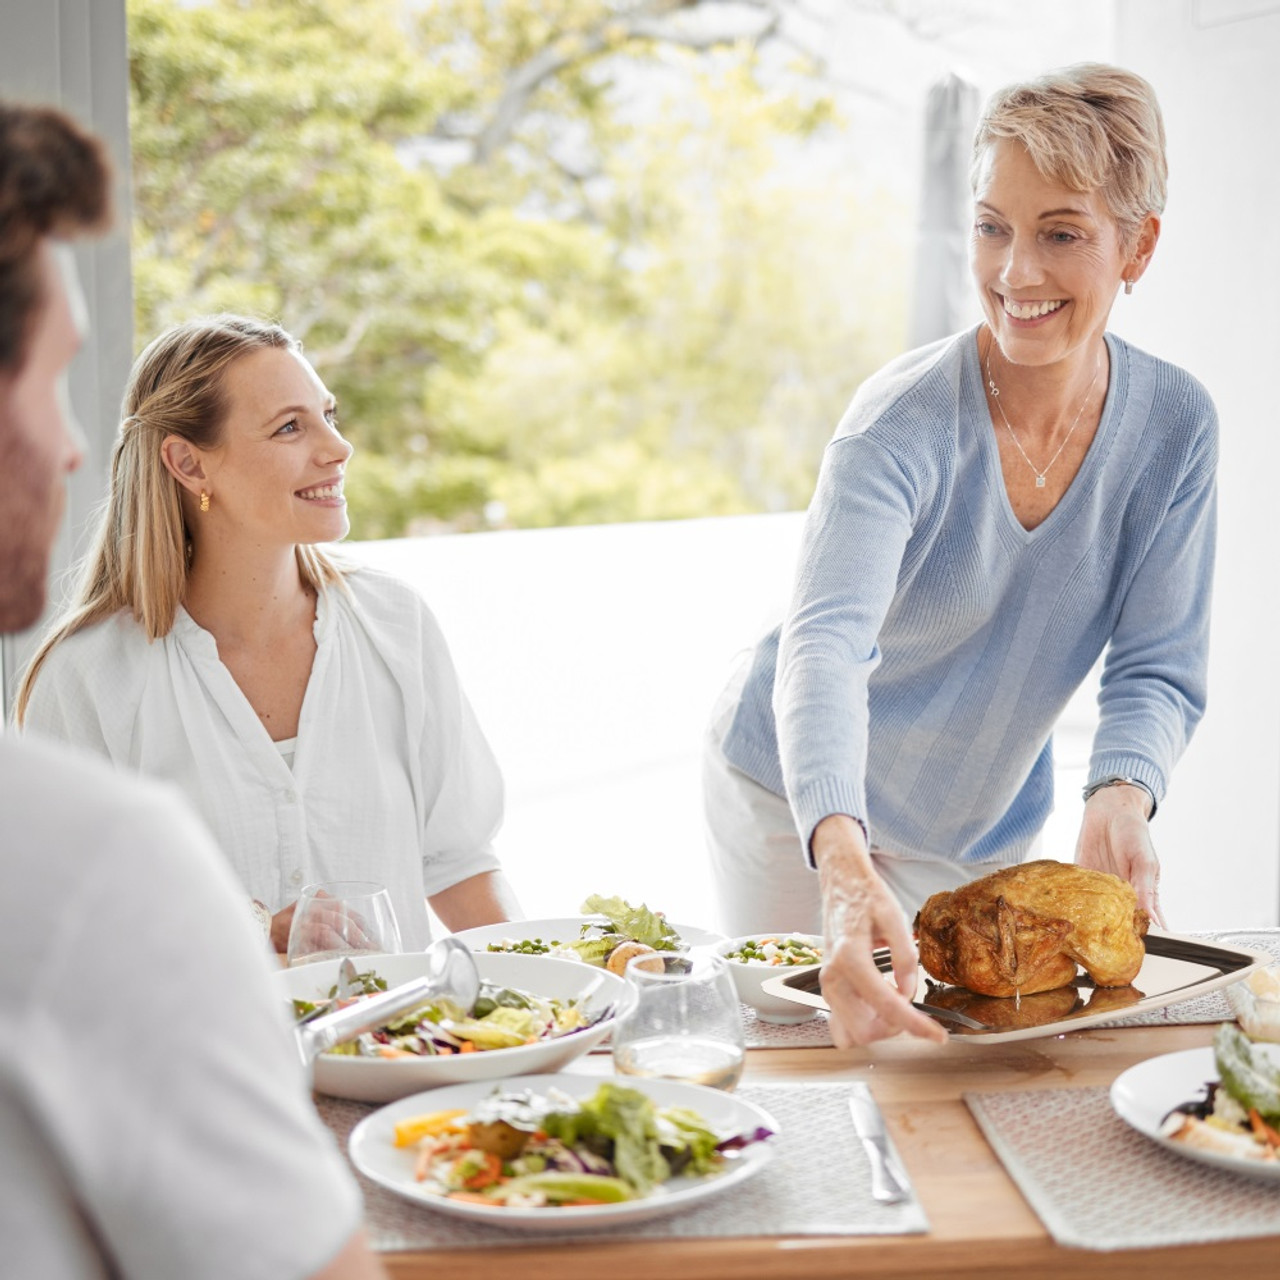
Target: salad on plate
pixel 524 1149
pixel 501 1018
pixel 1239 1114
pixel 623 933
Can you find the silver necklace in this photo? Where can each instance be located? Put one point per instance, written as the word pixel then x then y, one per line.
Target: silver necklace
pixel 995 395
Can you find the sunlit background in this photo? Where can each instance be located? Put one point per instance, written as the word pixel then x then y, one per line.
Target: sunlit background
pixel 594 279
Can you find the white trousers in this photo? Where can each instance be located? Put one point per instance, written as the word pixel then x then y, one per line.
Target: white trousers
pixel 759 871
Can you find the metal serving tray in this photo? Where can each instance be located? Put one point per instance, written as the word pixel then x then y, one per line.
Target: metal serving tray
pixel 1176 968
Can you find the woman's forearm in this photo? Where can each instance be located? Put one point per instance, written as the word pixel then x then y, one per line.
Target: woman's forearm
pixel 485 898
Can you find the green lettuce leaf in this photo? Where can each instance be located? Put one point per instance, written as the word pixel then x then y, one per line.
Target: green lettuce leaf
pixel 625 1119
pixel 1247 1073
pixel 501 1029
pixel 689 1145
pixel 637 923
pixel 566 1186
pixel 594 950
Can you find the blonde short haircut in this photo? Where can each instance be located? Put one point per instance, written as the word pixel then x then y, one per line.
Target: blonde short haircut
pixel 1090 127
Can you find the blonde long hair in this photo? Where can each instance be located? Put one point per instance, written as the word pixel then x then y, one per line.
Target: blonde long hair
pixel 143 547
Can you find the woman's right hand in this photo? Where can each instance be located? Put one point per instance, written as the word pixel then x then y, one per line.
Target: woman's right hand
pixel 281 923
pixel 338 929
pixel 859 914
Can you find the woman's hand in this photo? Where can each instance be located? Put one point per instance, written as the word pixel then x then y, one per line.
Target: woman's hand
pixel 1114 837
pixel 334 930
pixel 281 923
pixel 860 913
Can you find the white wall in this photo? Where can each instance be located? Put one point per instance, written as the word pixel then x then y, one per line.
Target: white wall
pixel 1208 303
pixel 592 657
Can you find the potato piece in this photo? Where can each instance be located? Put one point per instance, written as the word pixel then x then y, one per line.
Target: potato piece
pixel 624 951
pixel 498 1138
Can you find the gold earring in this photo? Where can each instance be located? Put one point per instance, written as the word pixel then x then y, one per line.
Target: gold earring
pixel 204 501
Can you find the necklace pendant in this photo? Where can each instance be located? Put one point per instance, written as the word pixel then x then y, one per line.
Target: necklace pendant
pixel 1039 482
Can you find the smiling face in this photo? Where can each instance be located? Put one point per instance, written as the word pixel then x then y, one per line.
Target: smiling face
pixel 276 475
pixel 40 444
pixel 1047 260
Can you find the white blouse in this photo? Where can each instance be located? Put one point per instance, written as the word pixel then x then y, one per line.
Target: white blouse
pixel 391 778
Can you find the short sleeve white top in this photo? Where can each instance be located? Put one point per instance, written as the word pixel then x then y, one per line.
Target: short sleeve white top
pixel 391 777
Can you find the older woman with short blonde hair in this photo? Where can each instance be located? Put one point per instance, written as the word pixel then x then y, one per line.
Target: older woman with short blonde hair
pixel 994 513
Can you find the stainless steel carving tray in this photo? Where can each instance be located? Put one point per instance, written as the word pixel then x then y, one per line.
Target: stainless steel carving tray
pixel 1176 968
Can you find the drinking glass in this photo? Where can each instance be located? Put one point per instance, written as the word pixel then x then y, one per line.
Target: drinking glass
pixel 680 1019
pixel 342 918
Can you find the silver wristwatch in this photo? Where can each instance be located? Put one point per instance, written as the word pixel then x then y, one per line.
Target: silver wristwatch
pixel 1115 780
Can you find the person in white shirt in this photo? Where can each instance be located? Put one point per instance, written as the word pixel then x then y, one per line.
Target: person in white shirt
pixel 154 1119
pixel 311 712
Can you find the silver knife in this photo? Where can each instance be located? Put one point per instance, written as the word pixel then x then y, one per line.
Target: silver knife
pixel 888 1183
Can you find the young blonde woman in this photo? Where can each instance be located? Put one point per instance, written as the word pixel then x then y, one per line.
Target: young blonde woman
pixel 311 712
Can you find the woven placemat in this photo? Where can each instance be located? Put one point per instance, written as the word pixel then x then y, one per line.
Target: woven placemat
pixel 786 1199
pixel 1096 1183
pixel 815 1033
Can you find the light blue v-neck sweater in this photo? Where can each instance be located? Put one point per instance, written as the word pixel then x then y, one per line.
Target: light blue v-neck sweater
pixel 933 641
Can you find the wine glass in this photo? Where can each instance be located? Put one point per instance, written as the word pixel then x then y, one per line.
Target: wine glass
pixel 680 1019
pixel 342 918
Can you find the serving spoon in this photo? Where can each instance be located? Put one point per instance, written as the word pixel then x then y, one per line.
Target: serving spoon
pixel 451 971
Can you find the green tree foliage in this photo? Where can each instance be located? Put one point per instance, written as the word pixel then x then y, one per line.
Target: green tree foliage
pixel 561 261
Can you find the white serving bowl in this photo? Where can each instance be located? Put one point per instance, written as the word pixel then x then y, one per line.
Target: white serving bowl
pixel 384 1080
pixel 1256 1003
pixel 749 977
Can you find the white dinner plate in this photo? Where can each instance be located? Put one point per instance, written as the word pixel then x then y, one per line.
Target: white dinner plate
pixel 1146 1093
pixel 565 929
pixel 374 1153
pixel 383 1079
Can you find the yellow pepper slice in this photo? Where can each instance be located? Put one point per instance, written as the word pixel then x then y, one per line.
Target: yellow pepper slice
pixel 412 1130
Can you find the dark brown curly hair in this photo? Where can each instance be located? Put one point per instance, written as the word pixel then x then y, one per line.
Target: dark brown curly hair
pixel 55 179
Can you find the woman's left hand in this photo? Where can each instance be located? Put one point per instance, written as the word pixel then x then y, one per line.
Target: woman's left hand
pixel 1115 837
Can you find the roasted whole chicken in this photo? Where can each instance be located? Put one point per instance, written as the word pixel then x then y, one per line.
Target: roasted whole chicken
pixel 1025 929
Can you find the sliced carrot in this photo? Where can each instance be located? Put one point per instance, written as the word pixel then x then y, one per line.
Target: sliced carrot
pixel 1262 1130
pixel 485 1176
pixel 468 1046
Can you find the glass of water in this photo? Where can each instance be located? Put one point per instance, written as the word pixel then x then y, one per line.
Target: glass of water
pixel 680 1019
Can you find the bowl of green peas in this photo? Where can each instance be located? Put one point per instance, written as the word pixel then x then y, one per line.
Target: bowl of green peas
pixel 755 958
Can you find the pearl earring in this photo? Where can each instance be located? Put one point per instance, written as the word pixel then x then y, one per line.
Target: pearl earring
pixel 204 501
